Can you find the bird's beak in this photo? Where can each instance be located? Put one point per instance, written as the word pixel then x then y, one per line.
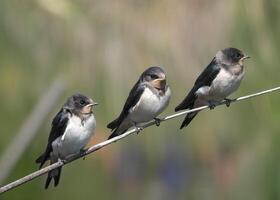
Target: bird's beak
pixel 92 104
pixel 245 57
pixel 159 83
pixel 162 83
pixel 88 108
pixel 242 59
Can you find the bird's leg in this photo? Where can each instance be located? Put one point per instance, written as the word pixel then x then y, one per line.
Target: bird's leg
pixel 157 121
pixel 212 105
pixel 138 128
pixel 62 160
pixel 227 101
pixel 82 151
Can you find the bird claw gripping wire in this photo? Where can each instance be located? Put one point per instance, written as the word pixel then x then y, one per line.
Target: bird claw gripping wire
pixel 157 121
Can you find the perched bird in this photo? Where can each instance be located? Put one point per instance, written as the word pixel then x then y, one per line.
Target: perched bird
pixel 218 80
pixel 147 99
pixel 72 128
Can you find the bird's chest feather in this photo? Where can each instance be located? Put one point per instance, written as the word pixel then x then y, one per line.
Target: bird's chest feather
pixel 226 82
pixel 149 105
pixel 76 135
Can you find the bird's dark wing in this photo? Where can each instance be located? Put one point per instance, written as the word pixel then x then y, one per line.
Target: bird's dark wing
pixel 59 124
pixel 204 79
pixel 134 96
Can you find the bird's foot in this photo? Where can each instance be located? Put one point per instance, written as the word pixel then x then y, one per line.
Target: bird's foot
pixel 138 129
pixel 228 101
pixel 82 151
pixel 212 105
pixel 62 160
pixel 157 121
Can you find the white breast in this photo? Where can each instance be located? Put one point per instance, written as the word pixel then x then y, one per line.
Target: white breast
pixel 224 84
pixel 75 137
pixel 149 106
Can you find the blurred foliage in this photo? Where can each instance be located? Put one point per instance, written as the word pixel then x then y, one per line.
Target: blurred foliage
pixel 101 47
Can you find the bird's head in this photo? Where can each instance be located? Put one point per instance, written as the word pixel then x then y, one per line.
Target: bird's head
pixel 155 76
pixel 80 104
pixel 231 57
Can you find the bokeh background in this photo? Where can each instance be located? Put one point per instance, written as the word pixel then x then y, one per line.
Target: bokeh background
pixel 100 48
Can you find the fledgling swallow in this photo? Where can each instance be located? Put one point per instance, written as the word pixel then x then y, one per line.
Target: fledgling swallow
pixel 219 79
pixel 147 99
pixel 72 128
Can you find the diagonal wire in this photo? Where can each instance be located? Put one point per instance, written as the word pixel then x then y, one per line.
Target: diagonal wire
pixel 98 146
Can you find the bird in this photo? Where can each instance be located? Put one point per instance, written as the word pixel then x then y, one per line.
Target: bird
pixel 71 130
pixel 147 99
pixel 219 79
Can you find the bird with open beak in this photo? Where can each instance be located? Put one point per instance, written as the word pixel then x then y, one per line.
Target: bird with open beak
pixel 219 79
pixel 147 99
pixel 72 128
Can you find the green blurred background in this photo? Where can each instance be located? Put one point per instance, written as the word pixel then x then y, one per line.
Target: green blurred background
pixel 100 48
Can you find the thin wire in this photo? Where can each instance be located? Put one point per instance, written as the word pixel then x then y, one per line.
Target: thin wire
pixel 98 146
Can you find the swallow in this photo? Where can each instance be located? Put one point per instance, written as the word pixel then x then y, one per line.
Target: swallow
pixel 219 79
pixel 147 99
pixel 71 130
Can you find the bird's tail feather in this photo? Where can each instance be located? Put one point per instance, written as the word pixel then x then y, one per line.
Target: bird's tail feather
pixel 55 175
pixel 188 119
pixel 41 159
pixel 113 124
pixel 181 106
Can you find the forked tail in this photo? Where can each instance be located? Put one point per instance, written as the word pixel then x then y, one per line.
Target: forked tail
pixel 188 119
pixel 55 175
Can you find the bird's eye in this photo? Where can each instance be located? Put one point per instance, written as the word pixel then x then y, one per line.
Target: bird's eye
pixel 238 55
pixel 153 76
pixel 82 102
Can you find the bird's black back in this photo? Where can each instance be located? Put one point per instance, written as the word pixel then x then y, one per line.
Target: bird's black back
pixel 133 97
pixel 59 124
pixel 204 79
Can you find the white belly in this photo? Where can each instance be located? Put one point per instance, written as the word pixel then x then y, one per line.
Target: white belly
pixel 149 106
pixel 224 84
pixel 75 137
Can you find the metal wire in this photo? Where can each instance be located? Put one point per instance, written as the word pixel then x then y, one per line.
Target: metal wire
pixel 115 139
